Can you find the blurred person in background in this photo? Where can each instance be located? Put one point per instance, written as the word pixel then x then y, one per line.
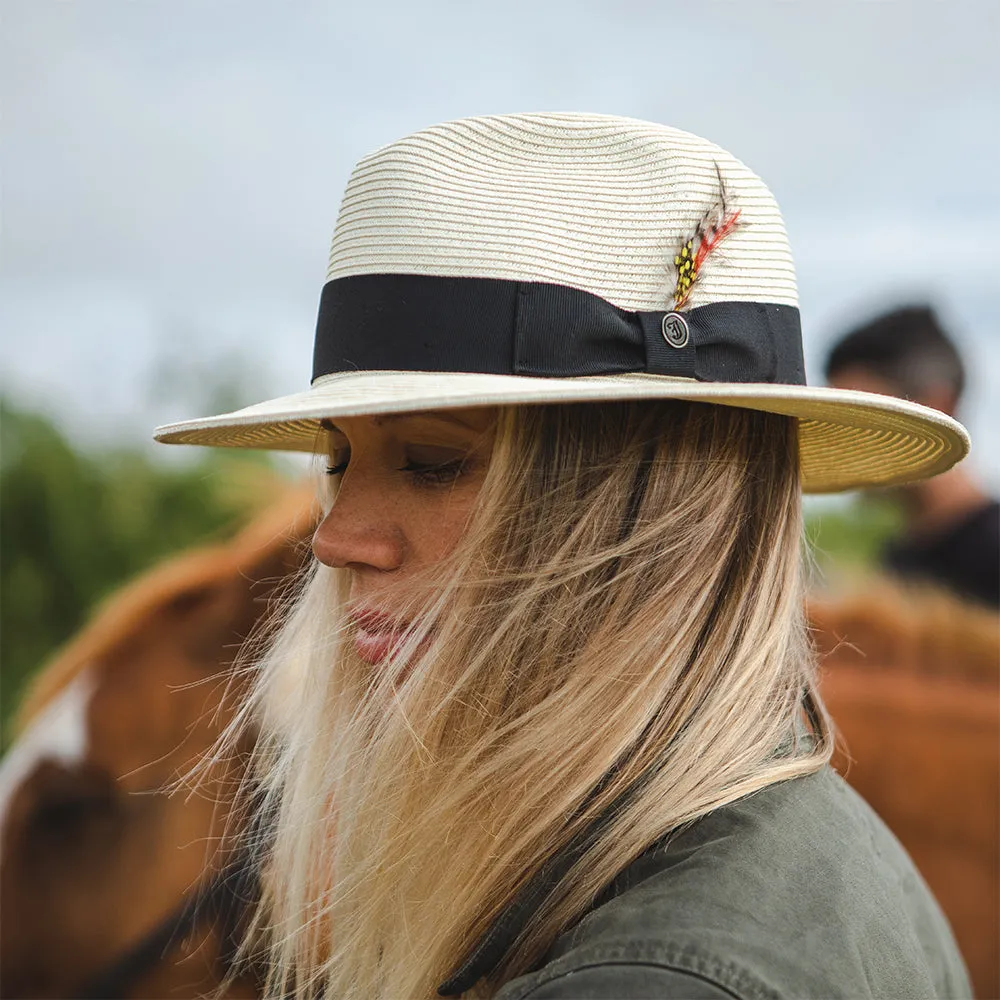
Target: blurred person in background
pixel 952 526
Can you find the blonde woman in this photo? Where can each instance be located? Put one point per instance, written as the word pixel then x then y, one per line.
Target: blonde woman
pixel 543 722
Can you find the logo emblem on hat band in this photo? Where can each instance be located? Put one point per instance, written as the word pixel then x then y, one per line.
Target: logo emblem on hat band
pixel 675 330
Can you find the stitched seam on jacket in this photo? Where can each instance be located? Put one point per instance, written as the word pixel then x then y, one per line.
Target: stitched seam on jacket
pixel 631 965
pixel 727 976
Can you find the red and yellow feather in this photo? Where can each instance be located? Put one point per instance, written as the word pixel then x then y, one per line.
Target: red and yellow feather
pixel 715 225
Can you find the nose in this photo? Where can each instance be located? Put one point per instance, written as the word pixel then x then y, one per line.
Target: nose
pixel 360 532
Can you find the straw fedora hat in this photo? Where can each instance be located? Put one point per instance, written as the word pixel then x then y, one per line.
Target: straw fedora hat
pixel 547 258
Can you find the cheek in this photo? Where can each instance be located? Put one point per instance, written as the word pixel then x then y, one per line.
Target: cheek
pixel 435 529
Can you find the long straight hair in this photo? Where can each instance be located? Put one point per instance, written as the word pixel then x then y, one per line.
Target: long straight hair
pixel 616 647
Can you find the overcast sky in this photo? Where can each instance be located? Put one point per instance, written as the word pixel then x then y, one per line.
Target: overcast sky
pixel 172 168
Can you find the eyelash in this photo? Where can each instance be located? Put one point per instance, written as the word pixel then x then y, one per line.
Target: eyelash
pixel 424 475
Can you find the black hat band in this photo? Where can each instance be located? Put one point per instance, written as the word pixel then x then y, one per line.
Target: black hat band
pixel 408 322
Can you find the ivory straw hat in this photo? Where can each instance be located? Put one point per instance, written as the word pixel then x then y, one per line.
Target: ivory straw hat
pixel 548 258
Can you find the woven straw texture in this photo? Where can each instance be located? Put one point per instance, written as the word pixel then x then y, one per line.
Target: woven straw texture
pixel 847 439
pixel 590 201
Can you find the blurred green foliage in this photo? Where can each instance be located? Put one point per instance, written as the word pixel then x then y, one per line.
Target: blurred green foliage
pixel 75 525
pixel 848 538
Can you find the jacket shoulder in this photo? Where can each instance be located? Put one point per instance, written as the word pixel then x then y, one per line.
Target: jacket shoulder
pixel 797 890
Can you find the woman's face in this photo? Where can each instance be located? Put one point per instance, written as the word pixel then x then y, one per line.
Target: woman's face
pixel 408 484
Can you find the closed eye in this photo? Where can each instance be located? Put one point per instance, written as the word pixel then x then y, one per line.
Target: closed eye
pixel 339 459
pixel 426 465
pixel 436 474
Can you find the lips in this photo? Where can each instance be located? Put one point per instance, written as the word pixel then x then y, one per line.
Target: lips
pixel 376 635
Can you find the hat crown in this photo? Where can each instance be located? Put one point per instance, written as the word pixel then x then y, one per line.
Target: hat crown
pixel 594 202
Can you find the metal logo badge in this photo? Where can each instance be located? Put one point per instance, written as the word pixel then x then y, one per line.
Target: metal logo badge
pixel 675 330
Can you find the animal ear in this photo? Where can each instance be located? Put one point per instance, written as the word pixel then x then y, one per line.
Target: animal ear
pixel 277 543
pixel 235 598
pixel 215 621
pixel 191 599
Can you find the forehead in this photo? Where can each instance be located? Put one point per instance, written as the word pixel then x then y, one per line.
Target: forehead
pixel 474 420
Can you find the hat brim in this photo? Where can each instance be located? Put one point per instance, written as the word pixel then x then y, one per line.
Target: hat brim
pixel 848 439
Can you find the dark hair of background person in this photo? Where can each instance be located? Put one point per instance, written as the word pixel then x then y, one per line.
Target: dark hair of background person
pixel 907 348
pixel 951 526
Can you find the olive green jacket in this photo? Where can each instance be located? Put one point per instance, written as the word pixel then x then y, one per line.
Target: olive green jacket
pixel 798 891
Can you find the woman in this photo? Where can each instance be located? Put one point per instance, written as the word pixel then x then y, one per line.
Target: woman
pixel 543 722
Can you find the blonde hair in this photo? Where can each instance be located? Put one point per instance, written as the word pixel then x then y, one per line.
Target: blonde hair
pixel 616 648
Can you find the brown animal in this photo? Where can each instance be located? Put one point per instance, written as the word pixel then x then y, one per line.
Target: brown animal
pixel 912 680
pixel 97 860
pixel 93 877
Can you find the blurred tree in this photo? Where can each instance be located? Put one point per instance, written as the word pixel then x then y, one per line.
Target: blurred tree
pixel 74 526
